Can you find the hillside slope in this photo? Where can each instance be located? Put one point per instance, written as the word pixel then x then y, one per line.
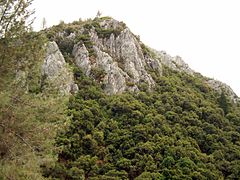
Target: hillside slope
pixel 110 53
pixel 89 100
pixel 137 113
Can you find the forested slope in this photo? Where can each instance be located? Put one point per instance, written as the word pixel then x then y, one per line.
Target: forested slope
pixel 180 130
pixel 89 100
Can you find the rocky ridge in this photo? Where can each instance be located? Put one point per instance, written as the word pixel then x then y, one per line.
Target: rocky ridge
pixel 222 87
pixel 110 53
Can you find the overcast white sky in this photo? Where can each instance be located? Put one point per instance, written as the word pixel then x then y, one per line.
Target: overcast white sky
pixel 205 33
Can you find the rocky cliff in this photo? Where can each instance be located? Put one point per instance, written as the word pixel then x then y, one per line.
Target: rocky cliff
pixel 55 71
pixel 109 52
pixel 118 56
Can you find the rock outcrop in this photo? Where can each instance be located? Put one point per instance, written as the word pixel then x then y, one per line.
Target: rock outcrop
pixel 81 58
pixel 222 87
pixel 55 72
pixel 177 63
pixel 120 57
pixel 110 53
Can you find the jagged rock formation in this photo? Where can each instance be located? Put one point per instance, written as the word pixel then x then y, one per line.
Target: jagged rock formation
pixel 108 51
pixel 175 63
pixel 55 71
pixel 119 57
pixel 222 87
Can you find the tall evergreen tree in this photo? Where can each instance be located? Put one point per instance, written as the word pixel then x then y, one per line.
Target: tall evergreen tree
pixel 25 115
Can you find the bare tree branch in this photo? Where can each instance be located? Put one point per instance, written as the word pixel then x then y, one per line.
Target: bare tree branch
pixel 4 12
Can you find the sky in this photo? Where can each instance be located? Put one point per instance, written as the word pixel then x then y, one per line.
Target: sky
pixel 205 33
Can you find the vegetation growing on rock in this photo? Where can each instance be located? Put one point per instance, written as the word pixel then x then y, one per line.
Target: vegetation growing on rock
pixel 135 113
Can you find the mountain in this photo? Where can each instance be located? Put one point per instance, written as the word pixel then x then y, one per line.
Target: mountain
pixel 100 104
pixel 106 50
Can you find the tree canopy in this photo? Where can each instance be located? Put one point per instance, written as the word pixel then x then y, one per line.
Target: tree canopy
pixel 181 129
pixel 174 132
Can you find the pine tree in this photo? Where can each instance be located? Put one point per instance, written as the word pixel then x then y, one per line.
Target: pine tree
pixel 26 131
pixel 14 17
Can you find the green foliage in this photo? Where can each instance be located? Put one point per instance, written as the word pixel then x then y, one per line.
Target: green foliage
pixel 14 17
pixel 98 73
pixel 223 102
pixel 105 32
pixel 182 129
pixel 146 51
pixel 28 118
pixel 62 34
pixel 150 176
pixel 176 131
pixel 85 39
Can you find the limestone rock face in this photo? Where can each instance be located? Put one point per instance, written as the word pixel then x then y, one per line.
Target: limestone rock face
pixel 130 54
pixel 81 58
pixel 115 79
pixel 175 63
pixel 121 59
pixel 220 86
pixel 106 50
pixel 55 72
pixel 54 61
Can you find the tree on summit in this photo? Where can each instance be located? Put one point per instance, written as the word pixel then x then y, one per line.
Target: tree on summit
pixel 99 14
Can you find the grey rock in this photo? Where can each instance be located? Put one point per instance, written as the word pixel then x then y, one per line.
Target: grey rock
pixel 126 48
pixel 55 71
pixel 74 88
pixel 176 63
pixel 21 79
pixel 71 36
pixel 54 60
pixel 130 55
pixel 114 80
pixel 182 65
pixel 110 24
pixel 121 59
pixel 220 86
pixel 125 66
pixel 81 58
pixel 154 64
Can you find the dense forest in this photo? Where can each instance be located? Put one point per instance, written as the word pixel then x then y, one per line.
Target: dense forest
pixel 179 129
